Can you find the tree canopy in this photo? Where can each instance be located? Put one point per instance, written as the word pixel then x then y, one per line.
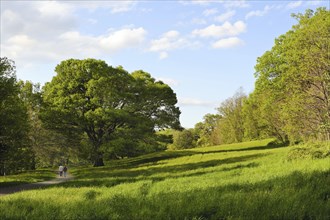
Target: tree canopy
pixel 293 79
pixel 90 98
pixel 15 151
pixel 291 99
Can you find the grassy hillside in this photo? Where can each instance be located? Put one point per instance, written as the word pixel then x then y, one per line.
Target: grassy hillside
pixel 250 180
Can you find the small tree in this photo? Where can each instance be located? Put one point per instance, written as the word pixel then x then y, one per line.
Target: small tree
pixel 184 139
pixel 230 126
pixel 207 130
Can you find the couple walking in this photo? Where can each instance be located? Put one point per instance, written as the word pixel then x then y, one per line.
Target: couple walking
pixel 63 170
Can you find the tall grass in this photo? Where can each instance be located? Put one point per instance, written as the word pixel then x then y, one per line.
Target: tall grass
pixel 239 181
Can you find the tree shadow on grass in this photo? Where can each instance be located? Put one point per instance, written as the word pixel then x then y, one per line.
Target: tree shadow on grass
pixel 111 178
pixel 269 146
pixel 294 196
pixel 159 156
pixel 152 158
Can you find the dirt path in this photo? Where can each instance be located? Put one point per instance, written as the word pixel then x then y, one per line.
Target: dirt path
pixel 13 189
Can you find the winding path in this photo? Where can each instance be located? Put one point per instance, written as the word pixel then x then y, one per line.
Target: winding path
pixel 13 189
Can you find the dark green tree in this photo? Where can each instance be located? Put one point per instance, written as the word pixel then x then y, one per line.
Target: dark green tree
pixel 49 147
pixel 15 151
pixel 88 99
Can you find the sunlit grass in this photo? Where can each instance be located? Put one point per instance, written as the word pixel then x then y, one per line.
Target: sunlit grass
pixel 241 181
pixel 27 177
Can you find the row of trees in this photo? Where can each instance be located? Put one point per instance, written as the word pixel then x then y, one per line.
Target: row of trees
pixel 291 100
pixel 88 112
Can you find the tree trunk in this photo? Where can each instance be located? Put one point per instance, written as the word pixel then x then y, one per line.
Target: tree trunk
pixel 98 161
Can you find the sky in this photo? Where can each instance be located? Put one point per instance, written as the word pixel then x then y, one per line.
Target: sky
pixel 205 50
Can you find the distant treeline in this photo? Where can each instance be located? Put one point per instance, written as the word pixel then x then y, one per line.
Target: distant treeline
pixel 291 100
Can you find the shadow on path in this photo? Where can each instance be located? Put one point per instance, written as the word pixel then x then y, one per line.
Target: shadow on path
pixel 13 189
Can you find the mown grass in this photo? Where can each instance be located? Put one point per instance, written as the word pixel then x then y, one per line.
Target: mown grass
pixel 31 176
pixel 241 181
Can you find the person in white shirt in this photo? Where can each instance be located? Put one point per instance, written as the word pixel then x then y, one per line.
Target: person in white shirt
pixel 60 169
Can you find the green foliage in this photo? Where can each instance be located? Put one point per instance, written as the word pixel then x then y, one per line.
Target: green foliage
pixel 292 84
pixel 207 130
pixel 292 91
pixel 15 150
pixel 115 111
pixel 248 180
pixel 310 150
pixel 231 122
pixel 50 148
pixel 184 139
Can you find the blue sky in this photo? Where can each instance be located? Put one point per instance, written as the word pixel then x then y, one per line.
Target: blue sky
pixel 205 50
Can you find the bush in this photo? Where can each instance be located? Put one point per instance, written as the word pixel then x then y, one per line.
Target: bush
pixel 314 150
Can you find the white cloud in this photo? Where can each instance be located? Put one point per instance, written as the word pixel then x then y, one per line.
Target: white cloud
pixel 258 13
pixel 194 102
pixel 124 38
pixel 227 43
pixel 196 2
pixel 295 4
pixel 113 6
pixel 22 40
pixel 163 55
pixel 216 31
pixel 225 16
pixel 36 19
pixel 236 4
pixel 109 43
pixel 171 34
pixel 169 41
pixel 44 19
pixel 25 48
pixel 47 31
pixel 209 12
pixel 198 21
pixel 54 8
pixel 313 3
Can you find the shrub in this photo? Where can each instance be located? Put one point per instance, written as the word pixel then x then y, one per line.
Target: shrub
pixel 314 150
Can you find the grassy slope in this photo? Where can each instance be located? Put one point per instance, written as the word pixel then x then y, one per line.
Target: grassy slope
pixel 239 181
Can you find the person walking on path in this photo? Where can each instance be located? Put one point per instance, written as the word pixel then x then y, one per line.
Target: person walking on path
pixel 65 170
pixel 60 170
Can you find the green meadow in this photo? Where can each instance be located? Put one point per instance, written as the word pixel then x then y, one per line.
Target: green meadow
pixel 251 180
pixel 27 177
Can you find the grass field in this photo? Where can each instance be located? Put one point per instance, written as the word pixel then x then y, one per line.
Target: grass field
pixel 27 177
pixel 250 180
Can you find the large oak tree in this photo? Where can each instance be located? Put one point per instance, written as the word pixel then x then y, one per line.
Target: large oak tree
pixel 89 98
